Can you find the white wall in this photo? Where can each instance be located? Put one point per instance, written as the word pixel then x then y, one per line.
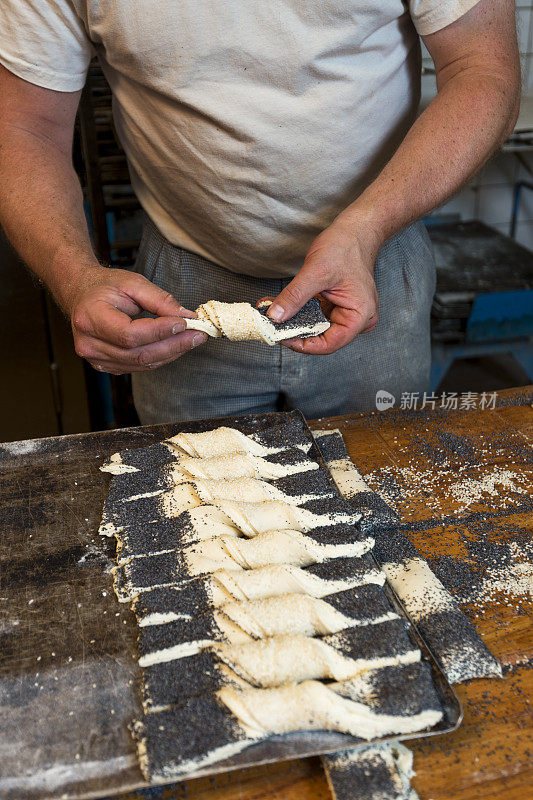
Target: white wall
pixel 489 196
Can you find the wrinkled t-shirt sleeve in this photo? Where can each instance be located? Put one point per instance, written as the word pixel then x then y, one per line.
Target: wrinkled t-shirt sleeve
pixel 430 16
pixel 45 42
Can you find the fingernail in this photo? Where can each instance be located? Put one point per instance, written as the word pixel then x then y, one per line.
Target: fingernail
pixel 178 328
pixel 184 310
pixel 275 312
pixel 200 338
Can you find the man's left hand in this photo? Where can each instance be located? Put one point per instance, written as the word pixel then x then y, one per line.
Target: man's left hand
pixel 340 267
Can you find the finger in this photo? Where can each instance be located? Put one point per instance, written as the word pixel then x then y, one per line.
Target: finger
pixel 327 306
pixel 346 325
pixel 293 344
pixel 114 368
pixel 264 300
pixel 154 299
pixel 373 321
pixel 302 288
pixel 106 322
pixel 159 352
pixel 325 343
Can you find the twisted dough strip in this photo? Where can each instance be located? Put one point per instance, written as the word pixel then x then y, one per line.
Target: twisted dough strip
pixel 294 658
pixel 221 441
pixel 241 322
pixel 313 706
pixel 238 465
pixel 271 547
pixel 279 579
pixel 185 496
pixel 290 614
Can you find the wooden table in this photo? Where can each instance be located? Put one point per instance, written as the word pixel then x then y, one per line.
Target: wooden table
pixel 491 755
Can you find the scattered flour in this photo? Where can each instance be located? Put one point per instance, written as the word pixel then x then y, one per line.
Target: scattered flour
pixel 513 580
pixel 471 491
pixel 440 491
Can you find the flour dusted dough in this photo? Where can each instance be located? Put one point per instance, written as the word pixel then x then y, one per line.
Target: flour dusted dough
pixel 295 658
pixel 241 322
pixel 237 465
pixel 221 441
pixel 115 466
pixel 271 547
pixel 254 518
pixel 288 614
pixel 285 623
pixel 313 706
pixel 256 584
pixel 250 519
pixel 184 496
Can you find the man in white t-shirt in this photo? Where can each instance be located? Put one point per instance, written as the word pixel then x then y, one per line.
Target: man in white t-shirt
pixel 275 151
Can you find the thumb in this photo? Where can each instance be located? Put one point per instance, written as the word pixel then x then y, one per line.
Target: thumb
pixel 152 298
pixel 302 288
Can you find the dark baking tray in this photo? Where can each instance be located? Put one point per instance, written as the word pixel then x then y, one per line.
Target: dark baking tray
pixel 67 669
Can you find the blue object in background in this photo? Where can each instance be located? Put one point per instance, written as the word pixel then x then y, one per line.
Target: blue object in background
pixel 500 316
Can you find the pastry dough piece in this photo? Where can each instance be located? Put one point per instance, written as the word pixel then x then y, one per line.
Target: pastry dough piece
pixel 295 658
pixel 180 498
pixel 115 466
pixel 348 478
pixel 271 547
pixel 274 660
pixel 365 604
pixel 313 706
pixel 289 614
pixel 183 738
pixel 184 496
pixel 205 522
pixel 254 518
pixel 241 322
pixel 221 441
pixel 153 456
pixel 246 490
pixel 238 465
pixel 208 521
pixel 255 584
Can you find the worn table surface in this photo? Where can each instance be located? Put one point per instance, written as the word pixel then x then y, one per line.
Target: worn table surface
pixel 417 458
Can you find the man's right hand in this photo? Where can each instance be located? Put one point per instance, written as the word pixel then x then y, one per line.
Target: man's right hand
pixel 101 308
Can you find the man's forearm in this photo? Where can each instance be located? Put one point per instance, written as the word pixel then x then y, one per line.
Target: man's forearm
pixel 468 120
pixel 41 210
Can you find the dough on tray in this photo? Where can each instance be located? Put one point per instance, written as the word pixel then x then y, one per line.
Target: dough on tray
pixel 146 575
pixel 272 439
pixel 241 622
pixel 199 491
pixel 271 547
pixel 206 728
pixel 241 322
pixel 289 658
pixel 192 597
pixel 225 441
pixel 259 610
pixel 244 465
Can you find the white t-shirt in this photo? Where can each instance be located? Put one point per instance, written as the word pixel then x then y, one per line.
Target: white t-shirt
pixel 248 125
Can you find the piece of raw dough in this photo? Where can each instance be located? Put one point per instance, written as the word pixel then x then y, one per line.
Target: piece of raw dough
pixel 271 547
pixel 178 740
pixel 241 322
pixel 238 465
